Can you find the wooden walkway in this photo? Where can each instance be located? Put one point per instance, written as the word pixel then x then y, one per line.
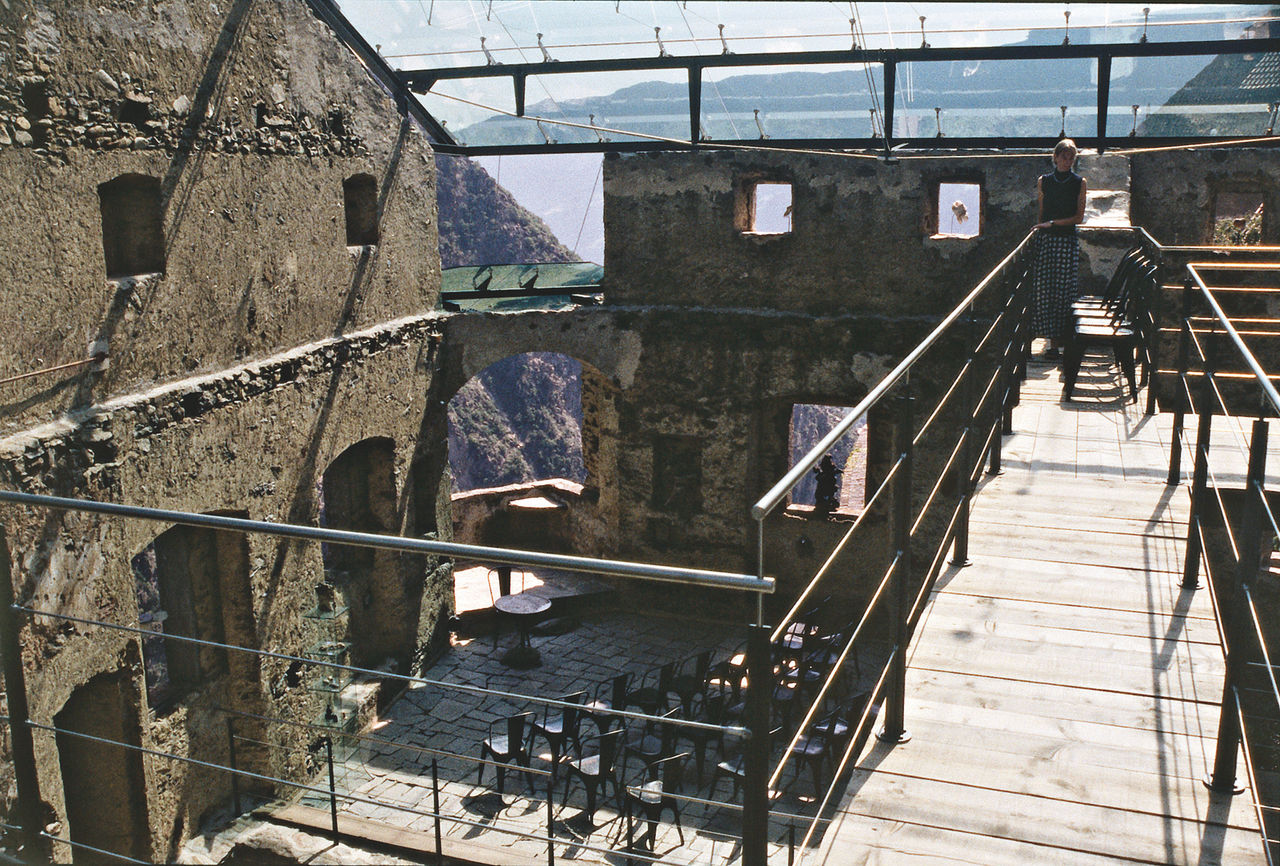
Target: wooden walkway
pixel 1062 694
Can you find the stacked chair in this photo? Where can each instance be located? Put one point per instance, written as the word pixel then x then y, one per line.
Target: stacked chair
pixel 1120 319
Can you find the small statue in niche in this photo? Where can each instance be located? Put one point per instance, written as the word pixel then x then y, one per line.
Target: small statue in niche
pixel 325 597
pixel 826 498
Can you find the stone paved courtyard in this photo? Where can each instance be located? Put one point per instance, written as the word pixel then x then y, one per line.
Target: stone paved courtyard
pixel 392 764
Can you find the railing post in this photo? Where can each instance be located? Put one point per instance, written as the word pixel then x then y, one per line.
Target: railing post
pixel 1223 778
pixel 1199 479
pixel 1180 401
pixel 333 787
pixel 960 547
pixel 231 759
pixel 1003 425
pixel 435 807
pixel 551 821
pixel 894 730
pixel 26 779
pixel 755 802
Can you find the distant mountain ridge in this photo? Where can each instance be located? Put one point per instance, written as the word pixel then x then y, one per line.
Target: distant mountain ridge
pixel 975 98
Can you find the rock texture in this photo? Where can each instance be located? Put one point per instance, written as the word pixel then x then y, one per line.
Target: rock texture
pixel 186 182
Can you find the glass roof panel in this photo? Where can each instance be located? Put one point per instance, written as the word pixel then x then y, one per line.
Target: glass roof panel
pixel 1228 95
pixel 828 101
pixel 973 99
pixel 450 34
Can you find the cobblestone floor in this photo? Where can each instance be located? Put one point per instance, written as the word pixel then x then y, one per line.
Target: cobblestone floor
pixel 393 766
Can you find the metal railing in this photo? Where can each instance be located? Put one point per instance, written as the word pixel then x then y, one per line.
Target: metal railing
pixel 22 726
pixel 1233 526
pixel 988 337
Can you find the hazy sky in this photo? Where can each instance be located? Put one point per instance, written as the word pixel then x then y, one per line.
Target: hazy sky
pixel 447 33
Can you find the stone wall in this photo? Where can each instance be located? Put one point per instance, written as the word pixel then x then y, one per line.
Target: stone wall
pixel 864 235
pixel 1175 193
pixel 248 119
pixel 275 218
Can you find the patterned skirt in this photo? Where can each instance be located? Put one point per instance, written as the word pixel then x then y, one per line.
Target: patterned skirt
pixel 1055 283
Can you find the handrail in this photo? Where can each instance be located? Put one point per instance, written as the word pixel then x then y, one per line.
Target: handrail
pixel 1261 375
pixel 778 491
pixel 507 556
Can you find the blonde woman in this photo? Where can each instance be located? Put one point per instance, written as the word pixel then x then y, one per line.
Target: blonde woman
pixel 1055 274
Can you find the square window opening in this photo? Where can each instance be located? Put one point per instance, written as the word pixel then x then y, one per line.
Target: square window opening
pixel 1237 219
pixel 959 212
pixel 839 488
pixel 770 211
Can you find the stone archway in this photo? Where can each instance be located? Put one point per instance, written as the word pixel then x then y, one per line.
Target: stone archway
pixel 537 425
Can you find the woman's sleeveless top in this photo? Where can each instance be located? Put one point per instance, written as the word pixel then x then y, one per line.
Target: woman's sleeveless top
pixel 1060 198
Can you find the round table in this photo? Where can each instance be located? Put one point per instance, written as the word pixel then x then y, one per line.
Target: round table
pixel 525 608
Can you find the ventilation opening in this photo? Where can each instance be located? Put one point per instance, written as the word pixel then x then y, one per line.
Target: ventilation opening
pixel 132 225
pixel 959 210
pixel 135 110
pixel 769 209
pixel 35 103
pixel 1237 219
pixel 841 487
pixel 360 198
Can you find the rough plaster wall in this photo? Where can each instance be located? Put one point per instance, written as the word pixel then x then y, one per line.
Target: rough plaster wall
pixel 861 240
pixel 248 446
pixel 251 159
pixel 718 377
pixel 1174 193
pixel 251 115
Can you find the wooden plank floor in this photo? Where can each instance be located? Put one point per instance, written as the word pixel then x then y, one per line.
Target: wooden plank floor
pixel 1062 691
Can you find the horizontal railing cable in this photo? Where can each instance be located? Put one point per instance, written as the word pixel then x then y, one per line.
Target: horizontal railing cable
pixel 798 604
pixel 1252 771
pixel 944 475
pixel 1214 602
pixel 832 674
pixel 1262 643
pixel 613 568
pixel 868 714
pixel 326 793
pixel 84 846
pixel 1264 381
pixel 775 495
pixel 916 609
pixel 385 675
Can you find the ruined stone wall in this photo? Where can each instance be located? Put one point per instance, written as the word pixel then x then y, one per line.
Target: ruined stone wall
pixel 249 348
pixel 249 116
pixel 1175 193
pixel 752 324
pixel 862 240
pixel 250 441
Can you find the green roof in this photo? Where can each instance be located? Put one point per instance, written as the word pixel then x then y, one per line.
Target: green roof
pixel 532 278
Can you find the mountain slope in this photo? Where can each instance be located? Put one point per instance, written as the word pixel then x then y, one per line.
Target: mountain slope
pixel 519 419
